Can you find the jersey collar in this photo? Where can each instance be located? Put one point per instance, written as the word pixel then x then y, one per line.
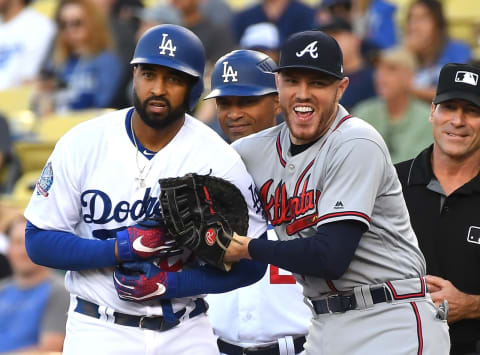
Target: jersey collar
pixel 147 153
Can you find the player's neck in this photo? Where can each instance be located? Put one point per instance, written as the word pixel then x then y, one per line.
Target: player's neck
pixel 454 173
pixel 155 139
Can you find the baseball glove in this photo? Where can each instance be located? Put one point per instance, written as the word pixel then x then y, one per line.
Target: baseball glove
pixel 202 212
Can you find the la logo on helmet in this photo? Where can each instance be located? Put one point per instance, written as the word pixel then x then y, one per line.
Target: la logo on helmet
pixel 167 45
pixel 228 72
pixel 310 48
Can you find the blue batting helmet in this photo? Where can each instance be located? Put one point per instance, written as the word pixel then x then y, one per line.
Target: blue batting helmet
pixel 243 73
pixel 175 47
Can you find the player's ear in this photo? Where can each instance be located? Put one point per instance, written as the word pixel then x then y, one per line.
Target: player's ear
pixel 276 104
pixel 276 79
pixel 432 110
pixel 342 86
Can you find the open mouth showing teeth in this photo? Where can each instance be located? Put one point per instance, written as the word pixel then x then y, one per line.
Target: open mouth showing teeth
pixel 303 109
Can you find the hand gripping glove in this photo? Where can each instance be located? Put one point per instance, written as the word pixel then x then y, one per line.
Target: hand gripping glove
pixel 145 240
pixel 202 212
pixel 143 281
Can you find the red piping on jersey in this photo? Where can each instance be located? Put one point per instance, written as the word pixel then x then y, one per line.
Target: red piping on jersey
pixel 279 151
pixel 346 213
pixel 297 185
pixel 419 328
pixel 341 121
pixel 302 223
pixel 331 285
pixel 407 295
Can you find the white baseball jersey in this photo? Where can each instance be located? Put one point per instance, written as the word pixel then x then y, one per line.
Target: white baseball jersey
pixel 261 313
pixel 89 188
pixel 346 175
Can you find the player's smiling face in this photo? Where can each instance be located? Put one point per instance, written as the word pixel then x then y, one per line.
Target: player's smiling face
pixel 456 130
pixel 240 116
pixel 160 94
pixel 308 99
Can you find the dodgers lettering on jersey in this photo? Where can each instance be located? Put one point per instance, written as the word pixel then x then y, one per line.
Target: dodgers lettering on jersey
pixel 332 181
pixel 93 193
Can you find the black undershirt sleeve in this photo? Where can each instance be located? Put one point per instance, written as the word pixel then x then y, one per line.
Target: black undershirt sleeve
pixel 327 254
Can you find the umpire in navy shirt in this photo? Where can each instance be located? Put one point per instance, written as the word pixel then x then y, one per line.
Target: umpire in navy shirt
pixel 442 190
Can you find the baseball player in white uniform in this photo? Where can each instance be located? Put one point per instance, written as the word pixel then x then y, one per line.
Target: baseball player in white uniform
pixel 254 319
pixel 102 179
pixel 329 188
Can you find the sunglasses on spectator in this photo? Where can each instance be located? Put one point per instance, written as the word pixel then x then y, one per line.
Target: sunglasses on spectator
pixel 74 24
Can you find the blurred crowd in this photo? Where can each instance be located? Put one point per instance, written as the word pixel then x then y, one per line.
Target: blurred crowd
pixel 75 58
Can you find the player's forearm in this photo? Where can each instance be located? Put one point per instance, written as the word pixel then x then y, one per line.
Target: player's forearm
pixel 66 251
pixel 326 254
pixel 207 279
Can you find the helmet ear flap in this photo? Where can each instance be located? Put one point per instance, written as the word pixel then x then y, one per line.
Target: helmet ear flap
pixel 195 93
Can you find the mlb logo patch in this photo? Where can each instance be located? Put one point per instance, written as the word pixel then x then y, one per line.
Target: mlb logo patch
pixel 473 235
pixel 466 77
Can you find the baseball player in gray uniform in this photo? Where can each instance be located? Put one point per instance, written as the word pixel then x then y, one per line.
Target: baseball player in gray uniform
pixel 330 190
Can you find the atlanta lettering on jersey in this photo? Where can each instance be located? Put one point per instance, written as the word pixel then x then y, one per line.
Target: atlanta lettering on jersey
pixel 101 211
pixel 292 210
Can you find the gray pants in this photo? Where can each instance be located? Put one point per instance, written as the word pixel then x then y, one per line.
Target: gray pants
pixel 399 327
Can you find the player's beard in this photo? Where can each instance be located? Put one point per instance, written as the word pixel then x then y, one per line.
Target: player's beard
pixel 155 121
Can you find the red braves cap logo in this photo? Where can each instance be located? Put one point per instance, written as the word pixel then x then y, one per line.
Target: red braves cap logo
pixel 210 236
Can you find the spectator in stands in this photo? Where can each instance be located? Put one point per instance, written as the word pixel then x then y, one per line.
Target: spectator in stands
pixel 25 38
pixel 398 116
pixel 33 303
pixel 426 35
pixel 263 37
pixel 123 24
pixel 355 67
pixel 216 38
pixel 154 16
pixel 88 72
pixel 9 165
pixel 218 11
pixel 5 269
pixel 372 20
pixel 290 16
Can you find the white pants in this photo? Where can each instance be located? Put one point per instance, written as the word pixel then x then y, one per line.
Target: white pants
pixel 87 335
pixel 407 327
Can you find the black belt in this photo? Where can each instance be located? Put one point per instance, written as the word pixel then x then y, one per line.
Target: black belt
pixel 273 349
pixel 340 303
pixel 157 323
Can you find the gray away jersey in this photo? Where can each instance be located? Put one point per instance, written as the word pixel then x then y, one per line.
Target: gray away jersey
pixel 345 175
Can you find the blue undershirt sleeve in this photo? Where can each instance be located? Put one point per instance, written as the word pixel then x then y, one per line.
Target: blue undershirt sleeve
pixel 207 279
pixel 66 251
pixel 327 254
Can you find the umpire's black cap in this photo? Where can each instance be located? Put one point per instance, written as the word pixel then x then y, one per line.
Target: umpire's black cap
pixel 314 50
pixel 458 81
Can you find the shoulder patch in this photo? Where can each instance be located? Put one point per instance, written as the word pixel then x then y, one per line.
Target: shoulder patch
pixel 45 181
